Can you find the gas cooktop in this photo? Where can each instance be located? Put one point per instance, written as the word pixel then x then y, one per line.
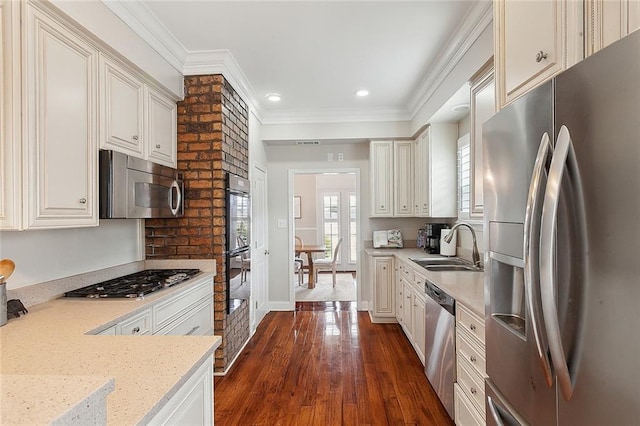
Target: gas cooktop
pixel 134 285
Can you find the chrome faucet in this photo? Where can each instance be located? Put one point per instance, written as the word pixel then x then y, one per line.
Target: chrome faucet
pixel 475 254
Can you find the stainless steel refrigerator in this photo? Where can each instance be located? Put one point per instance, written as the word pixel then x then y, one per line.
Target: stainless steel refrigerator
pixel 562 239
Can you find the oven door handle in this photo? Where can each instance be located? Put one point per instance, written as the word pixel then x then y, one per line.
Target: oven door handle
pixel 174 185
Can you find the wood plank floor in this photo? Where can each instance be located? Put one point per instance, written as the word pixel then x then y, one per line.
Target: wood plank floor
pixel 327 364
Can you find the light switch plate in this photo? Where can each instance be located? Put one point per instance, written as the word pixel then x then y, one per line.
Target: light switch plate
pixel 282 223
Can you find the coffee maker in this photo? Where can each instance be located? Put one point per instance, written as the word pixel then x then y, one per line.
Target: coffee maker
pixel 432 237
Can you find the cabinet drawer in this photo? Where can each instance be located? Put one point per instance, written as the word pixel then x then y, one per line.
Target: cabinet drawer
pixel 466 413
pixel 472 385
pixel 470 322
pixel 197 322
pixel 170 310
pixel 139 324
pixel 468 350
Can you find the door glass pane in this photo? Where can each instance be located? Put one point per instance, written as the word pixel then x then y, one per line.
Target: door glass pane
pixel 353 254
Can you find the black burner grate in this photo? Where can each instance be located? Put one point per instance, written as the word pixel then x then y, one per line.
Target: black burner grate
pixel 135 285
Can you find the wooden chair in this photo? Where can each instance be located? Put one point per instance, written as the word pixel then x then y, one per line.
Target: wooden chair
pixel 299 262
pixel 328 264
pixel 245 262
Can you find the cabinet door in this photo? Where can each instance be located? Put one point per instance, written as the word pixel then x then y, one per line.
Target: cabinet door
pixel 399 294
pixel 381 177
pixel 10 164
pixel 483 107
pixel 61 86
pixel 608 21
pixel 161 128
pixel 421 172
pixel 535 40
pixel 122 113
pixel 384 291
pixel 403 178
pixel 407 309
pixel 418 324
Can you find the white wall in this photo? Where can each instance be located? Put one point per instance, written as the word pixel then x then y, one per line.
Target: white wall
pixel 337 131
pixel 47 255
pixel 99 20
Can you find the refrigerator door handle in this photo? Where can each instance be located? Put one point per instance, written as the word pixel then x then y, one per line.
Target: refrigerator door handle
pixel 563 151
pixel 531 251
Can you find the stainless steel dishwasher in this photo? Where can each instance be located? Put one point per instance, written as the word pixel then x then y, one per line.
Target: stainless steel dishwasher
pixel 440 337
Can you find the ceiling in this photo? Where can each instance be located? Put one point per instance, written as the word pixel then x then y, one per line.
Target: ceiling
pixel 315 54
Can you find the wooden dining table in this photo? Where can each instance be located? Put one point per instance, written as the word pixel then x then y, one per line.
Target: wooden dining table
pixel 309 249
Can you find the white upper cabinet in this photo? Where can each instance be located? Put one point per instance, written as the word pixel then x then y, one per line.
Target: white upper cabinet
pixel 436 176
pixel 136 118
pixel 122 112
pixel 381 177
pixel 403 178
pixel 161 132
pixel 483 107
pixel 608 21
pixel 61 72
pixel 10 157
pixel 534 40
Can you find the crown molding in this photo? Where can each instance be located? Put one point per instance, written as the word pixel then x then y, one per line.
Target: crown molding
pixel 473 24
pixel 146 24
pixel 221 61
pixel 335 115
pixel 143 22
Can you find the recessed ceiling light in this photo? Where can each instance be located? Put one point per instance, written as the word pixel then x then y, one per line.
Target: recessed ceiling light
pixel 362 93
pixel 460 108
pixel 273 97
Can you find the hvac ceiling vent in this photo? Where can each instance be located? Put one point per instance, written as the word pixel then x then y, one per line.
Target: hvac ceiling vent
pixel 307 142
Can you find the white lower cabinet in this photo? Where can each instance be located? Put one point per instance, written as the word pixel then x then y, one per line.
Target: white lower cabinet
pixel 410 305
pixel 419 304
pixel 382 273
pixel 137 324
pixel 470 368
pixel 193 402
pixel 465 413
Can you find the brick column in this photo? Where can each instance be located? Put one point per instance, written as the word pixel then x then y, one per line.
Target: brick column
pixel 213 127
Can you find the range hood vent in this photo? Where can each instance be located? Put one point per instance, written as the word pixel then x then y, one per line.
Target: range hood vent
pixel 307 142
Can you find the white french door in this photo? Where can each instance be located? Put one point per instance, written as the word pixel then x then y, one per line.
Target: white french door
pixel 338 219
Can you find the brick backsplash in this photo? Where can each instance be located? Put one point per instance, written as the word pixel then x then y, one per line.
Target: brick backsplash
pixel 213 139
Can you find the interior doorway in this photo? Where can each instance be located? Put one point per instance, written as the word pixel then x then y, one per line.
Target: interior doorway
pixel 326 211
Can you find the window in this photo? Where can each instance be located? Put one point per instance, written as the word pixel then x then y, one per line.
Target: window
pixel 464 176
pixel 353 254
pixel 330 222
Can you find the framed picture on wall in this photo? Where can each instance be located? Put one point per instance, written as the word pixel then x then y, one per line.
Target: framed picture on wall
pixel 296 208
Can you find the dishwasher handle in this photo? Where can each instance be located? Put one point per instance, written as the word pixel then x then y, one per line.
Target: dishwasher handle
pixel 440 297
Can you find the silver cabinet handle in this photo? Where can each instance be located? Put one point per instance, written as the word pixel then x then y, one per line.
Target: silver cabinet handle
pixel 541 55
pixel 193 330
pixel 266 252
pixel 472 358
pixel 178 201
pixel 472 327
pixel 158 146
pixel 382 207
pixel 474 390
pixel 134 137
pixel 563 158
pixel 83 201
pixel 409 297
pixel 531 251
pixel 136 330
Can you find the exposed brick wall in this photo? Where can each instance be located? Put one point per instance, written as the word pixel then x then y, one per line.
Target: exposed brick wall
pixel 213 127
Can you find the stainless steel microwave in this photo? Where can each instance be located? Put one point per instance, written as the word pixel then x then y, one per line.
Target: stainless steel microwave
pixel 132 188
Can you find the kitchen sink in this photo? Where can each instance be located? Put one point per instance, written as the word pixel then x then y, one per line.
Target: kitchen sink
pixel 460 268
pixel 443 264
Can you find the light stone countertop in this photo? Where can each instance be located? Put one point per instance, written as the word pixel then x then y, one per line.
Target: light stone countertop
pixel 466 287
pixel 51 341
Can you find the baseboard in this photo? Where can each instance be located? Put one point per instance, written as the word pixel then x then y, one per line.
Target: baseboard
pixel 382 320
pixel 228 367
pixel 281 306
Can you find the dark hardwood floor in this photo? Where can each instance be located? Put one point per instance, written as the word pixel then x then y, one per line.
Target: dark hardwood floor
pixel 327 364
